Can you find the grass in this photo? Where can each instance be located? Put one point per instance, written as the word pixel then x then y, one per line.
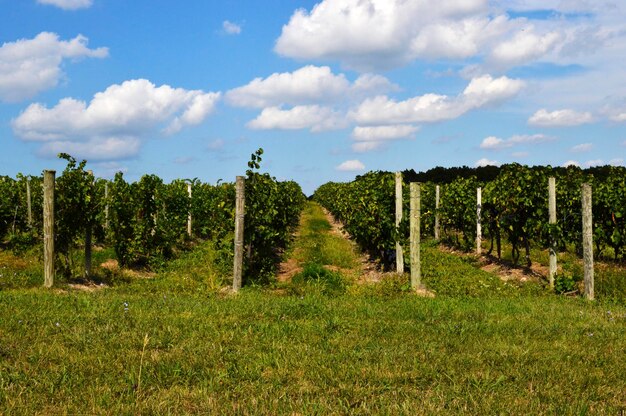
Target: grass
pixel 177 344
pixel 609 276
pixel 317 244
pixel 263 353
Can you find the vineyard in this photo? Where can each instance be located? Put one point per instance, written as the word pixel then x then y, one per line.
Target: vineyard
pixel 322 324
pixel 513 213
pixel 148 223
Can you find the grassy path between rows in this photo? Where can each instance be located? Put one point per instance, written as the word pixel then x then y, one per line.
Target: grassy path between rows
pixel 176 344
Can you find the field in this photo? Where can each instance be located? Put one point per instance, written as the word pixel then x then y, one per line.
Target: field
pixel 320 342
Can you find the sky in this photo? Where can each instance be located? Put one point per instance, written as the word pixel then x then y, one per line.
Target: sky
pixel 330 89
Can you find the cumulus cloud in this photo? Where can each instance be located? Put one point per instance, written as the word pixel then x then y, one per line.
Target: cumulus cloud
pixel 231 28
pixel 559 118
pixel 385 33
pixel 68 4
pixel 351 166
pixel 30 66
pixel 371 138
pixel 429 108
pixel 496 143
pixel 307 85
pixel 486 162
pixel 112 124
pixel 582 148
pixel 524 47
pixel 313 117
pixel 382 34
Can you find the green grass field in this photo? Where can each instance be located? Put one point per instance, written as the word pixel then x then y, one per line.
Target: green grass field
pixel 178 344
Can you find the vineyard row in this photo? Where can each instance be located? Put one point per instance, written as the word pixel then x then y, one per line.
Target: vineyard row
pixel 148 222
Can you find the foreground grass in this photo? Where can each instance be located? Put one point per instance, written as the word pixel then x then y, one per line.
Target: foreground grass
pixel 177 344
pixel 260 353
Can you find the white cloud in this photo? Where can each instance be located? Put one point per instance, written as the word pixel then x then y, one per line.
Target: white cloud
pixel 307 85
pixel 231 28
pixel 351 166
pixel 381 34
pixel 619 117
pixel 495 143
pixel 429 108
pixel 370 34
pixel 559 118
pixel 362 147
pixel 112 124
pixel 571 163
pixel 486 162
pixel 582 148
pixel 379 133
pixel 371 138
pixel 520 155
pixel 524 47
pixel 30 66
pixel 313 117
pixel 616 162
pixel 458 39
pixel 68 4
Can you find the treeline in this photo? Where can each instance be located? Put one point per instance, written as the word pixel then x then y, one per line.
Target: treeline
pixel 146 222
pixel 441 175
pixel 514 207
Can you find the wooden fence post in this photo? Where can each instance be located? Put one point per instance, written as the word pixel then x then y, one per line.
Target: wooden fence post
pixel 29 203
pixel 552 220
pixel 479 236
pixel 588 240
pixel 399 253
pixel 437 213
pixel 106 205
pixel 48 227
pixel 416 265
pixel 88 235
pixel 189 216
pixel 239 227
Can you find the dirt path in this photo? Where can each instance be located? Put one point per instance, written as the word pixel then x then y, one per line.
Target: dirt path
pixel 365 271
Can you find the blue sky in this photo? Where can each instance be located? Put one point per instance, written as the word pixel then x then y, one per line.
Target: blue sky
pixel 329 88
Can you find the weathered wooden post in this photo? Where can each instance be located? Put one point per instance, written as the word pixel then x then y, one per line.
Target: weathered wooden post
pixel 29 203
pixel 189 216
pixel 437 213
pixel 239 227
pixel 106 205
pixel 88 233
pixel 399 254
pixel 416 265
pixel 552 220
pixel 479 236
pixel 48 227
pixel 588 240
